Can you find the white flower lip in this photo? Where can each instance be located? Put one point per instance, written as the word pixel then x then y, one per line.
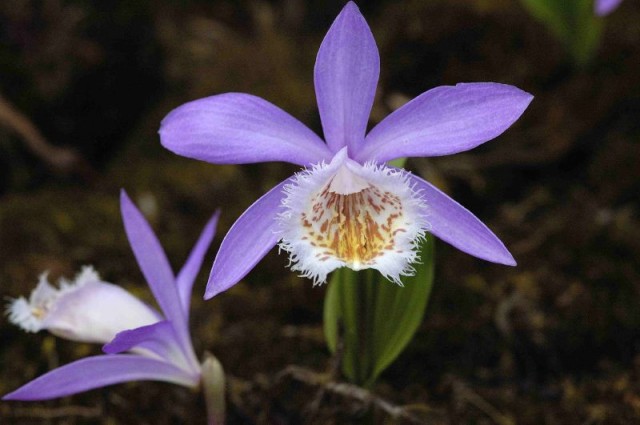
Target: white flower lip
pixel 28 314
pixel 344 214
pixel 85 309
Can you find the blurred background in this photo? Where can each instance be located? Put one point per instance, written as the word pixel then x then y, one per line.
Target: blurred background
pixel 556 340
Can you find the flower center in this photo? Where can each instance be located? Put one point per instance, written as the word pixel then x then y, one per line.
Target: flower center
pixel 344 214
pixel 355 228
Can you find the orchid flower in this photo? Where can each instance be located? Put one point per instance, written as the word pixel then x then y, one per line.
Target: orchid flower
pixel 141 343
pixel 347 207
pixel 604 7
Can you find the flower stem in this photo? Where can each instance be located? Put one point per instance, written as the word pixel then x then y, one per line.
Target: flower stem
pixel 213 385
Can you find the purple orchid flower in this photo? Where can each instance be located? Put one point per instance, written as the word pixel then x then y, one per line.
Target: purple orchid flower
pixel 347 208
pixel 87 309
pixel 604 7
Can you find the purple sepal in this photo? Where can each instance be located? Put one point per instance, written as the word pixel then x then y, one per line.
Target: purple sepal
pixel 604 7
pixel 238 128
pixel 454 224
pixel 345 76
pixel 247 242
pixel 100 371
pixel 189 271
pixel 445 120
pixel 155 266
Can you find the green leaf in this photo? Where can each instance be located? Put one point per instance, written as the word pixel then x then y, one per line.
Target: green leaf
pixel 373 318
pixel 342 309
pixel 551 13
pixel 398 163
pixel 401 310
pixel 572 21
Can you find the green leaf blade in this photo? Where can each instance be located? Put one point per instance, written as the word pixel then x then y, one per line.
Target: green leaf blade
pixel 374 318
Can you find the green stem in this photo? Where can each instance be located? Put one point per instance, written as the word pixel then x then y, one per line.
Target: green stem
pixel 213 385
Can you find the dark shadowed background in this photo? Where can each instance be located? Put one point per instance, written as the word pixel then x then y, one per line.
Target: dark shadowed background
pixel 84 85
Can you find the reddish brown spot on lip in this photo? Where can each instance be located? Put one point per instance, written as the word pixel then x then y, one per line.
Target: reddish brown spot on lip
pixel 355 228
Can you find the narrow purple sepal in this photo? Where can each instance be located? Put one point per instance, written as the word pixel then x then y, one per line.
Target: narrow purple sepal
pixel 604 7
pixel 455 225
pixel 100 371
pixel 345 76
pixel 238 128
pixel 445 120
pixel 189 271
pixel 247 242
pixel 155 266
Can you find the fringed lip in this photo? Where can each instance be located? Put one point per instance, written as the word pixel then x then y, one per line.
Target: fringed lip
pixel 344 214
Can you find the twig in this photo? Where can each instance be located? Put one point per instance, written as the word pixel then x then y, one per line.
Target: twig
pixel 57 412
pixel 349 391
pixel 62 159
pixel 333 373
pixel 465 394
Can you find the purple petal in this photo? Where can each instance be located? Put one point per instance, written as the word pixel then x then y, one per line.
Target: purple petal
pixel 190 270
pixel 100 371
pixel 154 338
pixel 247 242
pixel 604 7
pixel 445 120
pixel 154 265
pixel 237 128
pixel 345 76
pixel 159 338
pixel 455 225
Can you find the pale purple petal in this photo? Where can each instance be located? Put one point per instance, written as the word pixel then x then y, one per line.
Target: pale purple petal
pixel 445 120
pixel 237 128
pixel 100 371
pixel 455 225
pixel 190 270
pixel 604 7
pixel 247 242
pixel 345 77
pixel 154 265
pixel 159 338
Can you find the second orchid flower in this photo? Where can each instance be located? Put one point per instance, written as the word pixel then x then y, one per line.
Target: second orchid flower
pixel 141 343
